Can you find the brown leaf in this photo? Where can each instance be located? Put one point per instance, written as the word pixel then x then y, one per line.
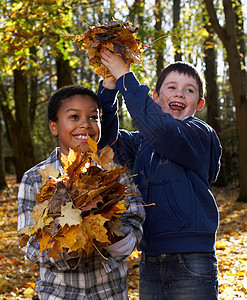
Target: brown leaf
pixel 59 198
pixel 106 155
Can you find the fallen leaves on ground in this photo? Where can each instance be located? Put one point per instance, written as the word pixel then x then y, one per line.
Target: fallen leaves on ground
pixel 18 276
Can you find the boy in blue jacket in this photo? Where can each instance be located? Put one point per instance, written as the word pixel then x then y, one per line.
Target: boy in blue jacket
pixel 175 157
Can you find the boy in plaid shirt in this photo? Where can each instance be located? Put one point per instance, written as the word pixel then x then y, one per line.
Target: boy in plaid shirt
pixel 74 113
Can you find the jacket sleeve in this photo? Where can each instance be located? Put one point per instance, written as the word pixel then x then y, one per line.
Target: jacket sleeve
pixel 109 123
pixel 185 142
pixel 123 142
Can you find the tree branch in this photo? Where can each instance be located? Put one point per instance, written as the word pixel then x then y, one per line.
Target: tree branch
pixel 214 21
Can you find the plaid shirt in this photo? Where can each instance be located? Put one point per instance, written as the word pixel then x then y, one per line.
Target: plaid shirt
pixel 94 277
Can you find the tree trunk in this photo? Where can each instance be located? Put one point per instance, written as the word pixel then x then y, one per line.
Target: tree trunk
pixel 23 150
pixel 11 133
pixel 158 14
pixel 230 38
pixel 64 74
pixel 3 184
pixel 212 96
pixel 176 30
pixel 33 88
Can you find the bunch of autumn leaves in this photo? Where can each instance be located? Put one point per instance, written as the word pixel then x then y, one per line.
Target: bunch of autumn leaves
pixel 118 37
pixel 78 211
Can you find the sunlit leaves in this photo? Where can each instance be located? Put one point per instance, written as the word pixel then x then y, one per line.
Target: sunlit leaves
pixel 34 24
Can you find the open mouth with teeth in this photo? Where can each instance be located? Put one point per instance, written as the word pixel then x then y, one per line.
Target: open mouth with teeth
pixel 177 106
pixel 81 137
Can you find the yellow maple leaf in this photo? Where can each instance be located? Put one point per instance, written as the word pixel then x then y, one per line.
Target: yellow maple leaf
pixel 68 236
pixel 70 215
pixel 40 216
pixel 49 170
pixel 95 227
pixel 83 241
pixel 46 190
pixel 75 163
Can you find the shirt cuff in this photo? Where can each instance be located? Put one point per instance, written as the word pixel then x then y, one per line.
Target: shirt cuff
pixel 122 248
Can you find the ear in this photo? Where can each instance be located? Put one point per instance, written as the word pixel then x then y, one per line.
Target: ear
pixel 155 97
pixel 53 128
pixel 200 104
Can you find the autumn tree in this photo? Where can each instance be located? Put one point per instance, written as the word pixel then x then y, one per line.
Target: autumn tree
pixel 27 35
pixel 232 36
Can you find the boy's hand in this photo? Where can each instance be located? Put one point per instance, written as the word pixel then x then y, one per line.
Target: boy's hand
pixel 109 83
pixel 114 63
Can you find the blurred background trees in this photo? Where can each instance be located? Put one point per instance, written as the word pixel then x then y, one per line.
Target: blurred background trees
pixel 37 56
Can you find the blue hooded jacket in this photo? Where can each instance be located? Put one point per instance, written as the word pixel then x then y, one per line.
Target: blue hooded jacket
pixel 173 162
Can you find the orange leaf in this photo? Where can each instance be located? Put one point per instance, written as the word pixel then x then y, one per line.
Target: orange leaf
pixel 95 227
pixel 44 242
pixel 92 144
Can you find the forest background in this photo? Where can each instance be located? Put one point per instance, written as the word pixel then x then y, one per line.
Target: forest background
pixel 38 55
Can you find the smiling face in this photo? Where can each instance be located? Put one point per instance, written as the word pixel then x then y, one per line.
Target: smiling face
pixel 76 117
pixel 179 95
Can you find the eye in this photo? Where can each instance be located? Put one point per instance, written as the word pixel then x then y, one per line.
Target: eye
pixel 189 91
pixel 74 117
pixel 171 87
pixel 94 117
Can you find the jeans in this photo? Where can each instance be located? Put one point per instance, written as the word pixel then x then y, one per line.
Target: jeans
pixel 180 276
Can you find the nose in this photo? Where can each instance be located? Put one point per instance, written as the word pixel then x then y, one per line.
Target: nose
pixel 85 123
pixel 180 93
